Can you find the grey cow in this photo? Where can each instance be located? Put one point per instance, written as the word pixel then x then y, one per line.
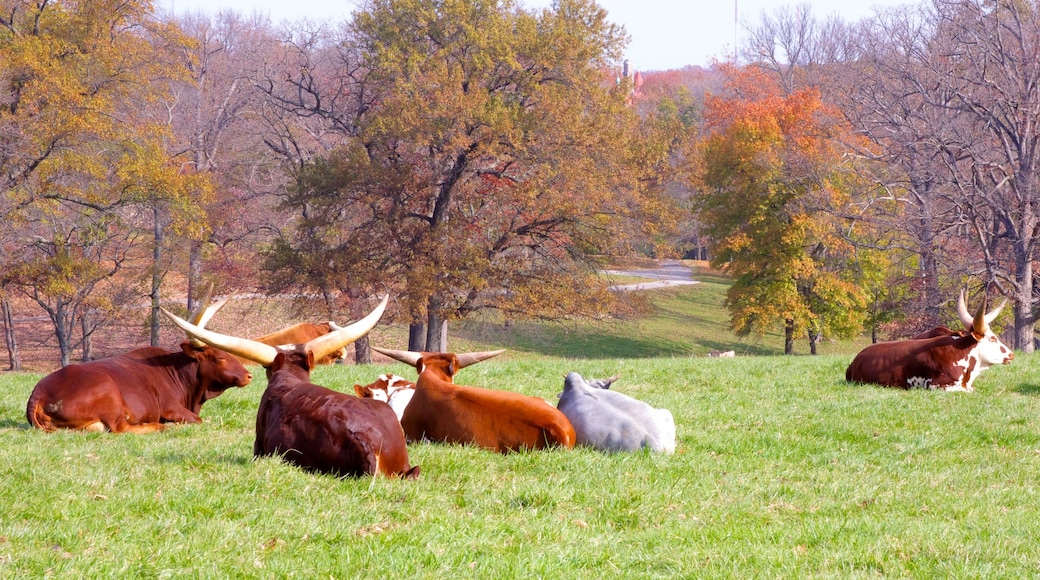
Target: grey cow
pixel 610 421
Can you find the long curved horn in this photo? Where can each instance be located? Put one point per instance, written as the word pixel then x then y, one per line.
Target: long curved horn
pixel 408 357
pixel 962 312
pixel 978 325
pixel 469 358
pixel 327 344
pixel 995 312
pixel 195 317
pixel 257 352
pixel 204 318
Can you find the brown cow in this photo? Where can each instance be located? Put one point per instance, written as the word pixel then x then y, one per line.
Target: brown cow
pixel 501 421
pixel 301 333
pixel 309 425
pixel 939 359
pixel 138 391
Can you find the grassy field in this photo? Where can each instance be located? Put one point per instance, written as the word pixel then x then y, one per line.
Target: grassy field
pixel 782 470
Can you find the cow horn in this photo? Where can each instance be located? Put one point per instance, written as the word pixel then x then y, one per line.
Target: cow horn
pixel 468 358
pixel 257 352
pixel 995 312
pixel 195 317
pixel 340 337
pixel 204 318
pixel 978 324
pixel 408 357
pixel 962 312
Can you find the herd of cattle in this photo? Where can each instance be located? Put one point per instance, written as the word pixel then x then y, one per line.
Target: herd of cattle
pixel 327 431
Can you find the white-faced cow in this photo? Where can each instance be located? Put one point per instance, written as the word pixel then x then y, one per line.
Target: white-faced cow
pixel 939 359
pixel 610 421
pixel 501 421
pixel 138 391
pixel 391 389
pixel 313 427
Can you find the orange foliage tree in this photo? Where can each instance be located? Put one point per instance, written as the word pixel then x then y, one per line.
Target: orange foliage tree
pixel 769 177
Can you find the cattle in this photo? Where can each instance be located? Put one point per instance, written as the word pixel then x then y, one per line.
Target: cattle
pixel 391 389
pixel 301 333
pixel 138 391
pixel 500 421
pixel 940 359
pixel 610 421
pixel 311 426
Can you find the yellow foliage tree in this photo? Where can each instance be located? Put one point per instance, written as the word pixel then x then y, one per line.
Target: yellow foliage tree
pixel 79 154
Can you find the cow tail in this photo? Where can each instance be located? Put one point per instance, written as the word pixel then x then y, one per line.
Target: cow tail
pixel 35 415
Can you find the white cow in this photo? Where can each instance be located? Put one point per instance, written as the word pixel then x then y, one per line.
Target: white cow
pixel 610 421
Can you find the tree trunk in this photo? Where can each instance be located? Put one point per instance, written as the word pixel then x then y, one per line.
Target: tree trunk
pixel 789 337
pixel 88 344
pixel 436 327
pixel 62 332
pixel 194 274
pixel 417 336
pixel 13 358
pixel 160 234
pixel 814 339
pixel 362 354
pixel 1025 321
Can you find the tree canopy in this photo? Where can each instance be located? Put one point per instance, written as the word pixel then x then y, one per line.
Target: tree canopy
pixel 769 179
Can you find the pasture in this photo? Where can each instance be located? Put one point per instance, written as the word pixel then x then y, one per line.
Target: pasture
pixel 782 470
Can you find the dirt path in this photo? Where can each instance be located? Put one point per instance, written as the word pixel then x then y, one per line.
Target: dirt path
pixel 668 273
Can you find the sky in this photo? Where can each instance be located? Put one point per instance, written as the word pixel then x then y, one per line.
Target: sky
pixel 664 34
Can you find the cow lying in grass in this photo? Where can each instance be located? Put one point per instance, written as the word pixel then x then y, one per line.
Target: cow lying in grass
pixel 501 421
pixel 309 425
pixel 610 421
pixel 138 391
pixel 939 359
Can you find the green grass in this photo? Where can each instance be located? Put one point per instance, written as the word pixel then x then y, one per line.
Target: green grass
pixel 782 470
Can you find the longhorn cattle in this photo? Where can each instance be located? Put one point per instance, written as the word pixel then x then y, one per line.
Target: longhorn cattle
pixel 138 391
pixel 501 421
pixel 939 359
pixel 391 389
pixel 313 427
pixel 299 334
pixel 610 421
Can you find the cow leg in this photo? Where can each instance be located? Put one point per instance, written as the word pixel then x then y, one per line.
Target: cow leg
pixel 180 415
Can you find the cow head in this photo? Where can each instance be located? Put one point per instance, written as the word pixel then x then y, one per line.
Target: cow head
pixel 450 363
pixel 991 350
pixel 218 371
pixel 274 358
pixel 385 387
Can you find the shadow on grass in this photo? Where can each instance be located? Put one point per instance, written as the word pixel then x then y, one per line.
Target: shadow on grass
pixel 19 423
pixel 1031 389
pixel 182 459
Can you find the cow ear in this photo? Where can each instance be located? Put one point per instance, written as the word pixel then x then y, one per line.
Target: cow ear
pixel 363 392
pixel 194 351
pixel 419 365
pixel 310 360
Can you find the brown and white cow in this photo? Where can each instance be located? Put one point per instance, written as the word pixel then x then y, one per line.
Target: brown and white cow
pixel 940 359
pixel 137 391
pixel 311 426
pixel 391 389
pixel 501 421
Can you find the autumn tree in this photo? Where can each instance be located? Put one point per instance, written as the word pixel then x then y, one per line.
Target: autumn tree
pixel 769 177
pixel 492 155
pixel 77 160
pixel 216 119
